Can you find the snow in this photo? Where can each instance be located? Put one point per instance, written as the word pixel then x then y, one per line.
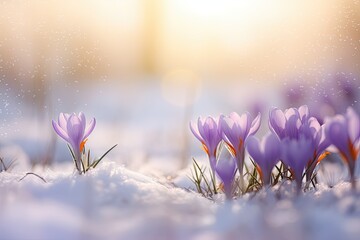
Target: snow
pixel 112 202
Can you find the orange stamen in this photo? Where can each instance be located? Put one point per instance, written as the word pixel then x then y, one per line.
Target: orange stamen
pixel 82 145
pixel 240 144
pixel 322 156
pixel 231 149
pixel 205 149
pixel 260 173
pixel 353 151
pixel 221 187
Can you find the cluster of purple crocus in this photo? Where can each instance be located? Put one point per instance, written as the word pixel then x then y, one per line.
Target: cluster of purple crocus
pixel 296 138
pixel 74 130
pixel 233 130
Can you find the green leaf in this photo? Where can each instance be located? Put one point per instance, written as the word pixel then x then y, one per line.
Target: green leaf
pixel 73 156
pixel 95 163
pixel 314 180
pixel 3 164
pixel 200 171
pixel 213 181
pixel 88 161
pixel 71 151
pixel 253 179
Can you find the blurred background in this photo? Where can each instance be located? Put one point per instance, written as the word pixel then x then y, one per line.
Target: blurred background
pixel 146 68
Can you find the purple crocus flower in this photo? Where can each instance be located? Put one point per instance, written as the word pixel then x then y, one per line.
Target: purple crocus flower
pixel 296 122
pixel 287 124
pixel 235 129
pixel 225 169
pixel 296 153
pixel 316 133
pixel 343 132
pixel 72 128
pixel 208 133
pixel 265 153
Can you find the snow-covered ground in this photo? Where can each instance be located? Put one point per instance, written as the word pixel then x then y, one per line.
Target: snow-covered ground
pixel 112 202
pixel 142 190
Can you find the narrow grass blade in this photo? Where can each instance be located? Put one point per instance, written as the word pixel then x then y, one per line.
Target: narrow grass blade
pixel 88 161
pixel 95 163
pixel 73 156
pixel 30 173
pixel 203 177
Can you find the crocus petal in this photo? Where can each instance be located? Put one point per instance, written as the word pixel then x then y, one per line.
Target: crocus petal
pixel 60 131
pixel 89 128
pixel 323 145
pixel 277 122
pixel 271 150
pixel 265 153
pixel 208 133
pixel 292 126
pixel 321 140
pixel 296 153
pixel 337 135
pixel 305 130
pixel 353 125
pixel 314 124
pixel 214 134
pixel 225 169
pixel 201 128
pixel 195 131
pixel 211 123
pixel 75 130
pixel 235 116
pixel 253 148
pixel 304 113
pixel 255 125
pixel 291 112
pixel 244 124
pixel 82 118
pixel 62 120
pixel 230 132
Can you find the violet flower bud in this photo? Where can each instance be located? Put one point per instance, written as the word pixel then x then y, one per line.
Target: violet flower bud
pixel 343 132
pixel 296 153
pixel 208 133
pixel 235 129
pixel 265 153
pixel 72 128
pixel 226 169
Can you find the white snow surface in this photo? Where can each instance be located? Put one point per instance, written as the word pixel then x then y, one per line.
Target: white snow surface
pixel 112 202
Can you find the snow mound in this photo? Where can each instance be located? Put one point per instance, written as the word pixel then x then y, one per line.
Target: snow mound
pixel 112 202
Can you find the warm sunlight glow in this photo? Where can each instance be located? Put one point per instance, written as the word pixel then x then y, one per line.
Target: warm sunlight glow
pixel 242 39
